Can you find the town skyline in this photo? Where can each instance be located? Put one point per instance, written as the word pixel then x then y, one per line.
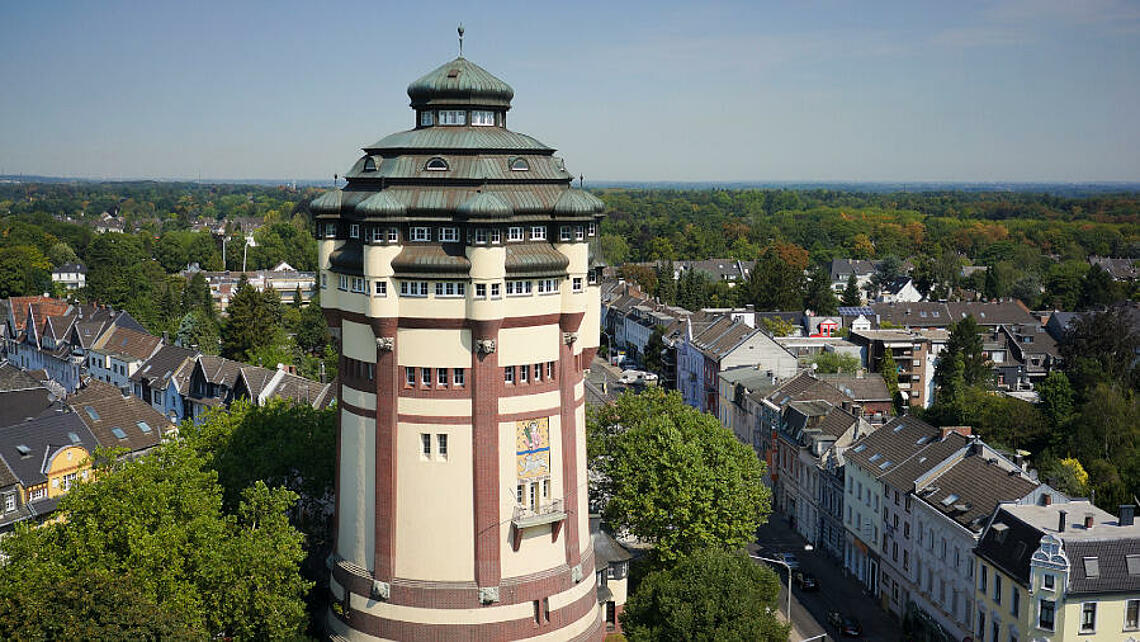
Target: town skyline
pixel 1004 92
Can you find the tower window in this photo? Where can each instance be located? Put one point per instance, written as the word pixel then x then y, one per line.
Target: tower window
pixel 496 290
pixel 381 288
pixel 537 372
pixel 425 376
pixel 410 376
pixel 421 233
pixel 519 165
pixel 425 444
pixel 496 236
pixel 524 373
pixel 509 374
pixel 514 233
pixel 452 117
pixel 393 235
pixel 564 233
pixel 592 229
pixel 441 445
pixel 579 233
pixel 376 234
pixel 481 236
pixel 342 283
pixel 480 290
pixel 577 284
pixel 426 119
pixel 538 233
pixel 436 164
pixel 324 281
pixel 441 376
pixel 330 230
pixel 483 118
pixel 449 234
pixel 369 164
pixel 459 376
pixel 354 231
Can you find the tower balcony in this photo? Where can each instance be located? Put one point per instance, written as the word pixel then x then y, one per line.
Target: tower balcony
pixel 552 512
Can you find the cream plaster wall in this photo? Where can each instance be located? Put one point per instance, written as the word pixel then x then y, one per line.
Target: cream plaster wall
pixel 430 307
pixel 529 403
pixel 589 333
pixel 357 509
pixel 536 552
pixel 358 342
pixel 583 494
pixel 434 407
pixel 360 399
pixel 378 260
pixel 487 262
pixel 519 346
pixel 433 348
pixel 433 506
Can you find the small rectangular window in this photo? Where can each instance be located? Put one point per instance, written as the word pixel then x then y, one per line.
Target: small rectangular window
pixel 514 233
pixel 481 236
pixel 509 374
pixel 591 229
pixel 538 233
pixel 564 233
pixel 376 234
pixel 342 283
pixel 441 444
pixel 459 377
pixel 1132 615
pixel 480 290
pixel 425 444
pixel 482 118
pixel 579 234
pixel 1045 611
pixel 452 117
pixel 496 290
pixel 1088 617
pixel 393 235
pixel 449 234
pixel 330 230
pixel 410 376
pixel 426 119
pixel 537 372
pixel 577 282
pixel 354 231
pixel 441 376
pixel 425 376
pixel 496 236
pixel 421 234
pixel 381 288
pixel 524 373
pixel 324 281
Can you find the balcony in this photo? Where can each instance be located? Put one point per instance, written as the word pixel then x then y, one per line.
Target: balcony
pixel 525 518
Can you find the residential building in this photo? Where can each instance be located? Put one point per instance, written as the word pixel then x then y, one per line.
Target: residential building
pixel 736 413
pixel 726 343
pixel 119 353
pixel 71 275
pixel 457 274
pixel 900 290
pixel 40 461
pixel 1061 571
pixel 119 420
pixel 1120 269
pixel 611 563
pixel 260 385
pixel 944 514
pixel 22 397
pixel 283 279
pixel 915 353
pixel 842 269
pixel 868 390
pixel 163 381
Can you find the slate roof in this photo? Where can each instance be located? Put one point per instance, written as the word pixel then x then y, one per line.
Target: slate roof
pixel 20 405
pixel 13 378
pixel 158 370
pixel 43 437
pixel 1112 565
pixel 219 370
pixel 840 269
pixel 891 446
pixel 122 341
pixel 70 268
pixel 992 313
pixel 836 422
pixel 141 426
pixel 912 315
pixel 930 454
pixel 976 485
pixel 868 387
pixel 804 387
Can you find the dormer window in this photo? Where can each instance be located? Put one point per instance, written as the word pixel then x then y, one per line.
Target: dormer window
pixel 452 117
pixel 436 164
pixel 427 119
pixel 519 165
pixel 483 118
pixel 369 164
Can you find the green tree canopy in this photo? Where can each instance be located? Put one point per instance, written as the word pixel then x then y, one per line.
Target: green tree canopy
pixel 818 295
pixel 710 595
pixel 851 296
pixel 829 362
pixel 156 527
pixel 673 476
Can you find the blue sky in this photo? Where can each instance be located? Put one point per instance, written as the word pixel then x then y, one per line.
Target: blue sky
pixel 1013 90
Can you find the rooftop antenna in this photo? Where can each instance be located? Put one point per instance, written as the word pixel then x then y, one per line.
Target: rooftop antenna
pixel 460 30
pixel 581 181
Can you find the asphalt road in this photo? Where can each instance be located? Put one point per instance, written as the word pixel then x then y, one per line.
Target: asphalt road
pixel 837 591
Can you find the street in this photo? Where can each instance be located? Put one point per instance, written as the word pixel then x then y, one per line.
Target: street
pixel 837 591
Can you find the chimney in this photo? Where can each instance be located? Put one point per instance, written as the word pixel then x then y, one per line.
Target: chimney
pixel 857 410
pixel 965 431
pixel 1061 521
pixel 1088 520
pixel 1046 500
pixel 1127 514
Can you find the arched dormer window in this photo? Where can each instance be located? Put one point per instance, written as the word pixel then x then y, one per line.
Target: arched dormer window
pixel 436 164
pixel 519 165
pixel 369 164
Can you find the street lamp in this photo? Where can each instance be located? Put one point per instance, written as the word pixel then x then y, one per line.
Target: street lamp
pixel 788 612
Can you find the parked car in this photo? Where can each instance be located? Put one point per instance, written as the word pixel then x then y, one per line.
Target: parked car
pixel 847 625
pixel 637 376
pixel 806 581
pixel 790 559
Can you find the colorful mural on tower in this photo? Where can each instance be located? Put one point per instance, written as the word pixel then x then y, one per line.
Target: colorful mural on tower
pixel 532 448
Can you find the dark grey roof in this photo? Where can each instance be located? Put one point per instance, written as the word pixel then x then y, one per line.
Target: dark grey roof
pixel 1011 552
pixel 892 445
pixel 1111 564
pixel 865 387
pixel 158 370
pixel 933 452
pixel 122 422
pixel 42 439
pixel 20 405
pixel 438 261
pixel 970 490
pixel 13 378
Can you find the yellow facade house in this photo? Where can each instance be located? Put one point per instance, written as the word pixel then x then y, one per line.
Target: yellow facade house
pixel 1064 571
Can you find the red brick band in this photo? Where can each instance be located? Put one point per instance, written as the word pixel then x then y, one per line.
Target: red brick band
pixel 387 379
pixel 465 595
pixel 569 374
pixel 486 388
pixel 507 630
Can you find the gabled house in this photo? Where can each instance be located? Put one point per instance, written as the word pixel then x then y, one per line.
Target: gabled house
pixel 259 385
pixel 164 380
pixel 22 397
pixel 212 382
pixel 611 566
pixel 118 420
pixel 900 290
pixel 42 459
pixel 119 353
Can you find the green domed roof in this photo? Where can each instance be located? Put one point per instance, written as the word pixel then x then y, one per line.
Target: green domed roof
pixel 578 202
pixel 460 82
pixel 328 203
pixel 484 205
pixel 381 204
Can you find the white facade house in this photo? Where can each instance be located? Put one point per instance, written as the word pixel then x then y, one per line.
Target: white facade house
pixel 71 275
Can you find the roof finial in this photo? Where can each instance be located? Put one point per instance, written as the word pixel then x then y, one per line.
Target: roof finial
pixel 460 39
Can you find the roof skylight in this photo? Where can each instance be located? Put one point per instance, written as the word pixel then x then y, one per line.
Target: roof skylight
pixel 91 413
pixel 118 432
pixel 949 499
pixel 143 426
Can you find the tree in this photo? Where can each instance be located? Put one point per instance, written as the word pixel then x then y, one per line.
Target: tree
pixel 851 296
pixel 673 476
pixel 196 329
pixel 818 295
pixel 776 282
pixel 1100 347
pixel 24 271
pixel 666 284
pixel 710 595
pixel 1056 398
pixel 1097 289
pixel 890 372
pixel 777 326
pixel 196 295
pixel 965 343
pixel 653 348
pixel 155 525
pixel 829 362
pixel 693 290
pixel 254 321
pixel 614 249
pixel 888 269
pixel 640 274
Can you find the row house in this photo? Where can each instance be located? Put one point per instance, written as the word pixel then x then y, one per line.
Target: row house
pixel 118 354
pixel 944 514
pixel 738 406
pixel 163 381
pixel 71 276
pixel 22 396
pixel 283 279
pixel 810 430
pixel 938 314
pixel 259 385
pixel 915 353
pixel 726 343
pixel 216 382
pixel 1057 572
pixel 866 389
pixel 40 461
pixel 120 421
